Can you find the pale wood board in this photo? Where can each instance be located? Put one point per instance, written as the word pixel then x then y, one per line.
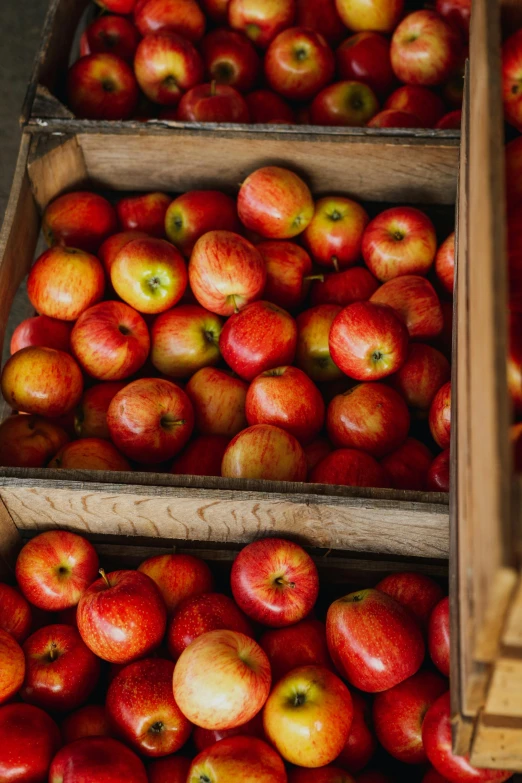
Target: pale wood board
pixel 497 747
pixel 10 544
pixel 505 690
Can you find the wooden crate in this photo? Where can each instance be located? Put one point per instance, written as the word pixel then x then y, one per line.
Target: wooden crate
pixel 486 543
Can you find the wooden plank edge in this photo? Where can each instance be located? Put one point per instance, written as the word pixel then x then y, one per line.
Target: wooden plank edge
pixel 497 744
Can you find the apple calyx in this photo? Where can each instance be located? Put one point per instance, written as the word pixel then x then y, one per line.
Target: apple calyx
pixel 157 727
pixel 103 575
pixel 298 699
pixel 223 72
pixel 170 81
pixel 108 85
pixel 123 329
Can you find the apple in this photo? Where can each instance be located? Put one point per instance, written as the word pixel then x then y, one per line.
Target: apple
pixel 88 721
pixel 275 582
pixel 111 341
pixel 427 106
pixel 373 776
pixel 261 337
pixel 514 231
pixel 346 103
pixel 450 121
pixel 398 714
pixel 261 20
pixel 356 284
pixel 166 65
pixel 172 769
pixel 150 420
pixel 431 776
pixel 245 759
pixel 200 614
pixel 415 301
pixel 29 441
pixel 264 452
pixel 178 577
pixel 144 213
pixel 221 680
pixel 89 454
pixel 374 641
pixel 54 569
pixel 399 241
pixel 226 272
pixel 218 399
pixel 408 466
pixel 361 743
pixel 440 416
pixel 31 738
pixel 202 456
pixel 328 774
pixel 205 738
pixel 298 63
pixel 266 107
pixel 102 86
pixel 512 79
pixel 335 234
pixel 275 203
pixel 316 451
pixel 217 10
pixel 439 636
pixel 351 468
pixel 370 417
pixel 111 247
pixel 515 437
pixel 195 213
pixel 445 263
pixel 117 6
pixel 15 613
pixel 513 171
pixel 90 419
pixel 365 57
pixel 287 398
pixel 122 616
pixel 421 376
pixel 425 49
pixel 288 273
pixel 12 666
pixel 302 644
pixel 313 352
pixel 308 716
pixel 110 34
pixel 95 758
pixel 378 15
pixel 368 341
pixel 437 739
pixel 213 103
pixel 80 219
pixel 391 118
pixel 438 479
pixel 456 12
pixel 230 58
pixel 183 17
pixel 40 330
pixel 322 17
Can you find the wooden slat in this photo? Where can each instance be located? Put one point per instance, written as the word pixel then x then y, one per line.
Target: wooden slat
pixel 504 698
pixel 512 634
pixel 10 544
pixel 497 746
pixel 55 165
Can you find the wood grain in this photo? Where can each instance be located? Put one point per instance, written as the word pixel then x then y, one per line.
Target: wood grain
pixel 10 544
pixel 497 746
pixel 512 633
pixel 55 165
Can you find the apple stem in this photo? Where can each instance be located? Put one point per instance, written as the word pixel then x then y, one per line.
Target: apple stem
pixel 213 88
pixel 52 651
pixel 282 582
pixel 335 263
pixel 104 577
pixel 236 308
pixel 314 277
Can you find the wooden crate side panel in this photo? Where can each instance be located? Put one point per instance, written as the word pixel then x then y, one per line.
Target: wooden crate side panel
pixel 497 746
pixel 55 166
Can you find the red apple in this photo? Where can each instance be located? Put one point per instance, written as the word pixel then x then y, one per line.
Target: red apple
pixel 172 769
pixel 301 644
pixel 102 87
pixel 315 451
pixel 423 373
pixel 344 288
pixel 275 203
pixel 110 34
pixel 313 352
pixel 373 776
pixel 391 118
pixel 195 213
pixel 221 680
pixel 144 213
pixel 515 437
pixel 456 12
pixel 408 466
pixel 437 739
pixel 183 17
pixel 264 452
pixel 31 738
pixel 275 582
pixel 399 241
pixel 12 666
pixel 95 758
pixel 513 171
pixel 201 614
pixel 166 65
pixel 217 10
pixel 40 330
pixel 205 738
pixel 29 441
pixel 88 721
pixel 440 416
pixel 334 235
pixel 514 234
pixel 415 301
pixel 439 636
pixel 431 776
pixel 399 712
pixel 351 468
pixel 80 219
pixel 308 716
pixel 117 6
pixel 417 592
pixel 288 269
pixel 427 106
pixel 15 613
pixel 218 399
pixel 226 272
pixel 361 743
pixel 444 341
pixel 111 247
pixel 90 420
pixel 261 337
pixel 512 79
pixel 266 107
pixel 122 616
pixel 230 58
pixel 445 263
pixel 213 103
pixel 370 417
pixel 450 121
pixel 438 479
pixel 202 456
pixel 178 577
pixel 89 454
pixel 374 641
pixel 365 57
pixel 184 340
pixel 328 774
pixel 111 341
pixel 379 15
pixel 322 17
pixel 425 49
pixel 346 103
pixel 245 759
pixel 298 63
pixel 261 20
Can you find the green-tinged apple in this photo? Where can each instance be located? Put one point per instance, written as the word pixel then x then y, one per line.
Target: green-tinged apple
pixel 392 118
pixel 445 263
pixel 438 478
pixel 202 456
pixel 351 468
pixel 439 636
pixel 144 213
pixel 378 15
pixel 12 667
pixel 29 441
pixel 264 452
pixel 88 721
pixel 184 340
pixel 110 34
pixel 302 644
pixel 113 244
pixel 218 399
pixel 415 301
pixel 267 107
pixel 172 769
pixel 89 454
pixel 166 65
pixel 328 774
pixel 245 759
pixel 90 417
pixel 335 233
pixel 213 102
pixel 102 87
pixel 40 330
pixel 427 106
pixel 399 241
pixel 288 273
pixel 230 58
pixel 15 613
pixel 31 739
pixel 195 213
pixel 408 465
pixel 275 203
pixel 316 451
pixel 313 352
pixel 361 743
pixel 299 63
pixel 97 759
pixel 178 577
pixel 261 20
pixel 80 219
pixel 423 373
pixel 440 416
pixel 183 17
pixel 343 288
pixel 425 49
pixel 348 103
pixel 365 57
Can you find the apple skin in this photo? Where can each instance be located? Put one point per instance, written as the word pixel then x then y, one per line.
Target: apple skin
pixel 361 743
pixel 110 34
pixel 34 738
pixel 166 65
pixel 427 106
pixel 425 49
pixel 315 451
pixel 450 121
pixel 117 6
pixel 415 301
pixel 356 284
pixel 226 288
pixel 213 103
pixel 183 17
pixel 89 454
pixel 218 399
pixel 150 420
pixel 432 776
pixel 313 352
pixel 90 419
pixel 102 87
pixel 122 616
pixel 15 613
pixel 247 759
pixel 456 12
pixel 436 736
pixel 54 569
pixel 514 232
pixel 172 769
pixel 302 644
pixel 365 57
pixel 42 381
pixel 298 63
pixel 274 582
pixel 321 17
pixel 445 263
pixel 88 721
pixel 266 107
pixel 205 738
pixel 440 416
pixel 513 171
pixel 375 15
pixel 438 479
pixel 399 712
pixel 231 59
pixel 439 636
pixel 221 680
pixel 144 213
pixel 275 203
pixel 334 235
pixel 421 376
pixel 369 417
pixel 111 247
pixel 308 716
pixel 200 614
pixel 96 758
pixel 264 452
pixel 40 330
pixel 61 671
pixel 288 267
pixel 80 219
pixel 368 341
pixel 373 776
pixel 259 338
pixel 178 577
pixel 350 104
pixel 261 20
pixel 511 79
pixel 202 456
pixel 408 466
pixel 195 213
pixel 29 441
pixel 373 640
pixel 351 468
pixel 286 398
pixel 391 118
pixel 328 774
pixel 12 666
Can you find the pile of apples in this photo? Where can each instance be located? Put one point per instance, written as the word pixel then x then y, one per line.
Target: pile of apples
pixel 319 62
pixel 153 667
pixel 227 347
